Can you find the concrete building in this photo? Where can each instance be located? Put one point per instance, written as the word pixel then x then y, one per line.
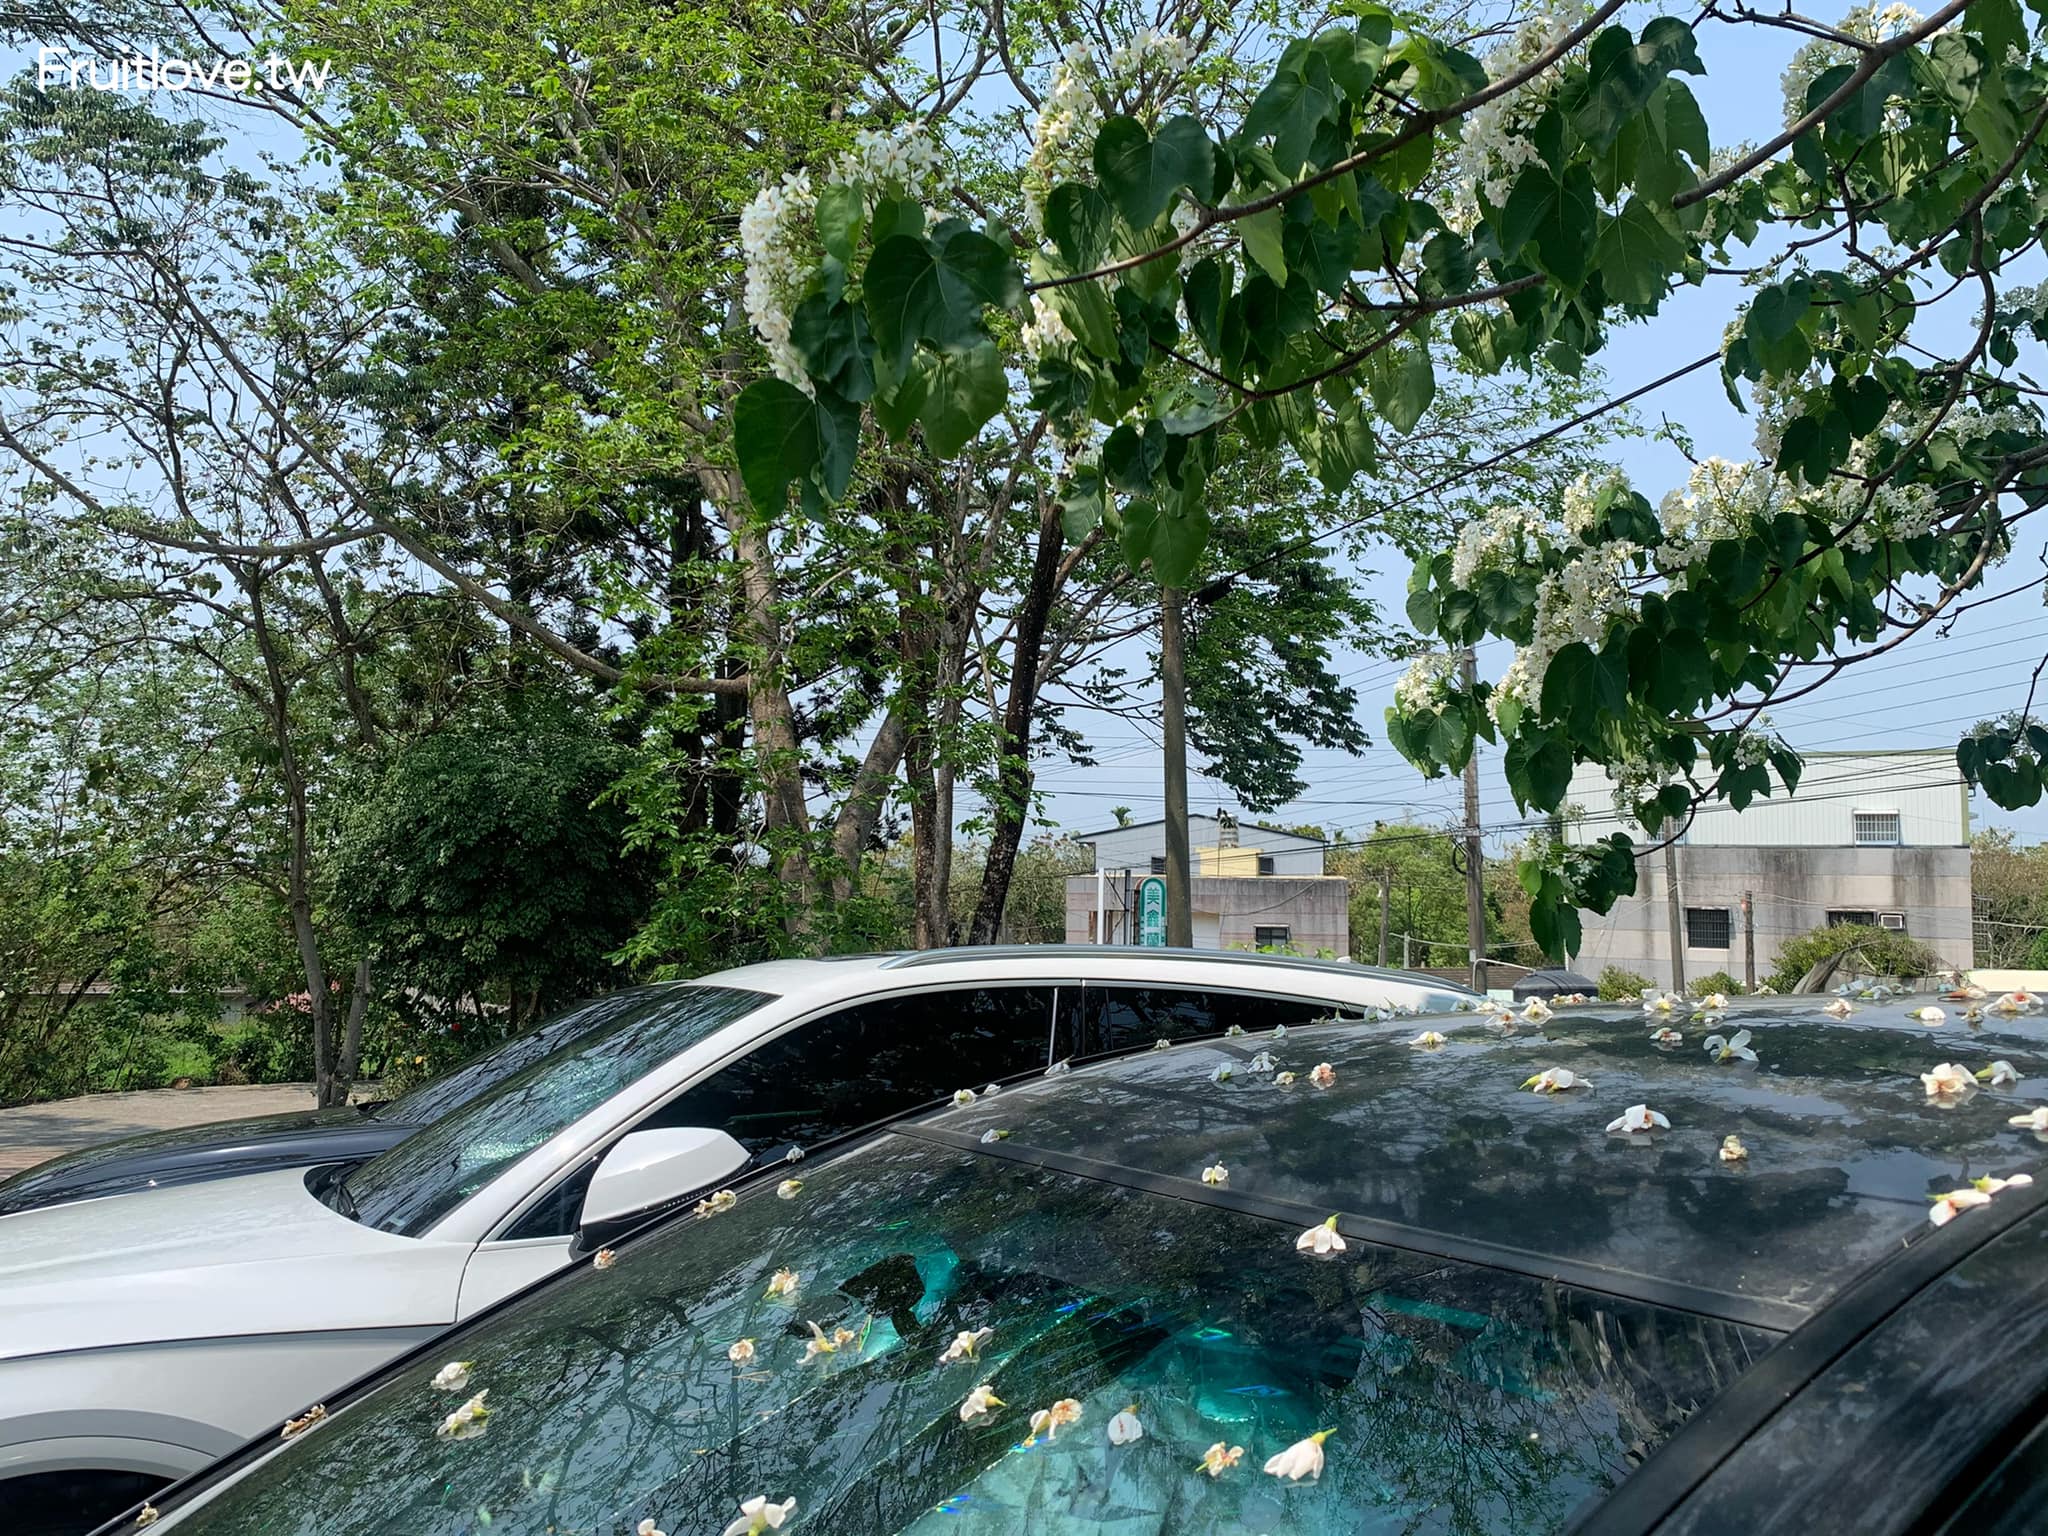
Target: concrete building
pixel 1254 887
pixel 1871 837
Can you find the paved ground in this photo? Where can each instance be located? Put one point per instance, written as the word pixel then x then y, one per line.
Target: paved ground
pixel 37 1131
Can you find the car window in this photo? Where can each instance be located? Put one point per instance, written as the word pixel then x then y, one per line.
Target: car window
pixel 431 1100
pixel 887 1057
pixel 1120 1018
pixel 867 1063
pixel 425 1176
pixel 1456 1398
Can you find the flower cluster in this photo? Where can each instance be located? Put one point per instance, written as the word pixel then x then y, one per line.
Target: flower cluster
pixel 1427 684
pixel 1722 499
pixel 1582 499
pixel 1071 109
pixel 1499 538
pixel 1497 142
pixel 1869 23
pixel 1045 330
pixel 1578 602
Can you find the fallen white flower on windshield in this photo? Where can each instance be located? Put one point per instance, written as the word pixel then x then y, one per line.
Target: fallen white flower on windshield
pixel 979 1403
pixel 782 1283
pixel 1429 1040
pixel 313 1415
pixel 1928 1016
pixel 1733 1049
pixel 1636 1120
pixel 646 1528
pixel 1536 1012
pixel 452 1377
pixel 1059 1069
pixel 148 1514
pixel 2035 1120
pixel 1732 1150
pixel 1324 1075
pixel 1841 1008
pixel 717 1204
pixel 742 1352
pixel 2000 1074
pixel 1302 1459
pixel 1322 1239
pixel 604 1259
pixel 1221 1074
pixel 466 1422
pixel 1948 1207
pixel 1216 1174
pixel 966 1345
pixel 1066 1411
pixel 1713 1002
pixel 1162 1044
pixel 1283 1079
pixel 2019 1000
pixel 964 1097
pixel 1279 1031
pixel 1947 1080
pixel 789 1189
pixel 1234 1030
pixel 758 1515
pixel 819 1344
pixel 1124 1428
pixel 1555 1080
pixel 1263 1062
pixel 1219 1457
pixel 1667 1036
pixel 991 1137
pixel 1992 1186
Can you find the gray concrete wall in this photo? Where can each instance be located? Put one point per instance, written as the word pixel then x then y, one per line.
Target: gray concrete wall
pixel 1230 910
pixel 1793 889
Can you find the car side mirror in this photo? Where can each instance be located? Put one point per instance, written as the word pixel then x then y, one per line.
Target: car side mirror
pixel 646 1170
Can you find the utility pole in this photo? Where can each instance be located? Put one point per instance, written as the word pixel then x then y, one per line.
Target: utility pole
pixel 1671 907
pixel 1386 909
pixel 1173 692
pixel 1475 885
pixel 1748 942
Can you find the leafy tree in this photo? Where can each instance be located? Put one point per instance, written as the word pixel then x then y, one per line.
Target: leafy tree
pixel 1879 950
pixel 1279 280
pixel 481 865
pixel 2009 885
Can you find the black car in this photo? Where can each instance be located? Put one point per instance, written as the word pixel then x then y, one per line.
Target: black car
pixel 350 1134
pixel 1356 1278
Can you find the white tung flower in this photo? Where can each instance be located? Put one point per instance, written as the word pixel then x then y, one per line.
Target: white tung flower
pixel 1049 1420
pixel 452 1377
pixel 1732 1150
pixel 1124 1428
pixel 1221 1074
pixel 1637 1120
pixel 1216 1174
pixel 1735 1049
pixel 966 1345
pixel 1556 1080
pixel 782 1283
pixel 741 1353
pixel 2035 1120
pixel 964 1097
pixel 468 1421
pixel 1324 1075
pixel 979 1403
pixel 1840 1008
pixel 1263 1062
pixel 1429 1040
pixel 647 1528
pixel 1667 1037
pixel 789 1189
pixel 2000 1074
pixel 1302 1459
pixel 757 1515
pixel 1322 1240
pixel 1928 1016
pixel 821 1343
pixel 1536 1012
pixel 718 1204
pixel 1947 1081
pixel 604 1258
pixel 1219 1458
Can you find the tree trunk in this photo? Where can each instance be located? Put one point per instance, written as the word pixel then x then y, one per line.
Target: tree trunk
pixel 1012 808
pixel 862 809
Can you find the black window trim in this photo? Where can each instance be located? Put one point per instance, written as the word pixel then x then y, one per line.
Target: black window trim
pixel 595 1153
pixel 1685 1461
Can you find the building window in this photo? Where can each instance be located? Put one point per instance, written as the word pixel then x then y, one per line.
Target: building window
pixel 1858 919
pixel 1707 928
pixel 1158 863
pixel 1273 937
pixel 1876 829
pixel 1265 863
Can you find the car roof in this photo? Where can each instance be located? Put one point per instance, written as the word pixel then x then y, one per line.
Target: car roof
pixel 1442 1149
pixel 836 975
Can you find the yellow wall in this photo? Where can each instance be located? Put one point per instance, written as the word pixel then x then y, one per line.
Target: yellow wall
pixel 1214 861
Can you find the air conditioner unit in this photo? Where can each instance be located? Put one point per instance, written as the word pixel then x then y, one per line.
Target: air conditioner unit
pixel 1893 920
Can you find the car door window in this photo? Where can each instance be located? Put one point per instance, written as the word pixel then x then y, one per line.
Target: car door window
pixel 838 1073
pixel 1120 1018
pixel 868 1062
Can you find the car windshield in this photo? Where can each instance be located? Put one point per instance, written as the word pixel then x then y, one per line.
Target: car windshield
pixel 677 1383
pixel 431 1100
pixel 425 1176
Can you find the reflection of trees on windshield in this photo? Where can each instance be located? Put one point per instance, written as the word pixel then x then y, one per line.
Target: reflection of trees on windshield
pixel 1464 1401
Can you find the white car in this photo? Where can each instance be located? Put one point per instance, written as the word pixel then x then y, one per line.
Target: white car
pixel 142 1335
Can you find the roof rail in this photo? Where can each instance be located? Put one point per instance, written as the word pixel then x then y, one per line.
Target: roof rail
pixel 971 952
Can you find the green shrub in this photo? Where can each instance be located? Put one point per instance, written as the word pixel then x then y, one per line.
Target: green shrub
pixel 1617 985
pixel 1884 952
pixel 271 1045
pixel 1715 981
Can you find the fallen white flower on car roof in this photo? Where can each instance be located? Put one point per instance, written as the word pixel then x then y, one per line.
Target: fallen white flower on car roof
pixel 1841 1008
pixel 1263 1062
pixel 1947 1080
pixel 452 1377
pixel 1066 1411
pixel 1124 1428
pixel 964 1097
pixel 466 1422
pixel 1732 1150
pixel 1636 1120
pixel 2035 1120
pixel 1322 1239
pixel 718 1204
pixel 1219 1457
pixel 783 1283
pixel 1216 1173
pixel 758 1515
pixel 789 1189
pixel 978 1404
pixel 1429 1040
pixel 966 1345
pixel 1302 1459
pixel 1667 1036
pixel 1928 1016
pixel 1735 1049
pixel 1556 1080
pixel 1324 1075
pixel 1536 1012
pixel 2000 1074
pixel 741 1353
